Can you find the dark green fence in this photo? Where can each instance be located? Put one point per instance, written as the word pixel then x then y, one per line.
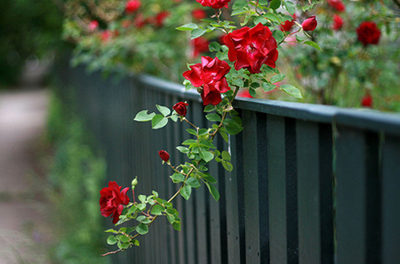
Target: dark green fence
pixel 311 184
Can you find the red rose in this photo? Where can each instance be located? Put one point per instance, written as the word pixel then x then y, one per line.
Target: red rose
pixel 132 5
pixel 199 14
pixel 366 101
pixel 106 35
pixel 163 155
pixel 140 21
pixel 309 24
pixel 214 3
pixel 250 48
pixel 160 17
pixel 337 4
pixel 180 108
pixel 337 22
pixel 244 94
pixel 93 25
pixel 199 45
pixel 288 24
pixel 112 200
pixel 210 74
pixel 368 33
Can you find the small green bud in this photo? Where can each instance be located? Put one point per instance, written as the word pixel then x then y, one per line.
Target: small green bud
pixel 134 183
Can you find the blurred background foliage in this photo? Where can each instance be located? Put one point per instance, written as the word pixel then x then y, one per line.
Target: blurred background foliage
pixel 28 29
pixel 76 175
pixel 345 73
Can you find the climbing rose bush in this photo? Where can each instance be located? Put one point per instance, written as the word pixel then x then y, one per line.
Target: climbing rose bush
pixel 112 200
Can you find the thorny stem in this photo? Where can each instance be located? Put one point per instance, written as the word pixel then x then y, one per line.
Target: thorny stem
pixel 187 121
pixel 112 252
pixel 224 115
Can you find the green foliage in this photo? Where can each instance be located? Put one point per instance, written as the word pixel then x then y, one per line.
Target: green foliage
pixel 76 176
pixel 27 28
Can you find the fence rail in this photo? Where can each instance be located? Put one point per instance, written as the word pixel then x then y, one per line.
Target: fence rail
pixel 311 183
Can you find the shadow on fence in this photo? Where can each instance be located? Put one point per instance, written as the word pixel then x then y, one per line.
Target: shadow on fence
pixel 311 183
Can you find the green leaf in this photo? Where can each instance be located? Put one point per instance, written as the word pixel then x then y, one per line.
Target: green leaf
pixel 278 35
pixel 267 86
pixel 252 92
pixel 124 239
pixel 111 231
pixel 214 192
pixel 142 229
pixel 203 131
pixel 177 177
pixel 226 156
pixel 232 127
pixel 214 46
pixel 174 118
pixel 132 209
pixel 206 143
pixel 141 218
pixel 141 207
pixel 290 7
pixel 189 142
pixel 208 177
pixel 290 89
pixel 277 78
pixel 209 108
pixel 272 17
pixel 177 225
pixel 111 240
pixel 187 27
pixel 275 4
pixel 142 116
pixel 312 44
pixel 159 121
pixel 192 182
pixel 299 39
pixel 136 242
pixel 182 149
pixel 197 32
pixel 224 136
pixel 186 191
pixel 213 117
pixel 157 209
pixel 227 165
pixel 238 82
pixel 191 131
pixel 206 155
pixel 142 198
pixel 171 218
pixel 163 110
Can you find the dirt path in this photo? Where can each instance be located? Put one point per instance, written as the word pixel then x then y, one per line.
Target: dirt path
pixel 24 214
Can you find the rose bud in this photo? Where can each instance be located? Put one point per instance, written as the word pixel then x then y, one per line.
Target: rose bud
pixel 180 108
pixel 366 101
pixel 163 155
pixel 309 24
